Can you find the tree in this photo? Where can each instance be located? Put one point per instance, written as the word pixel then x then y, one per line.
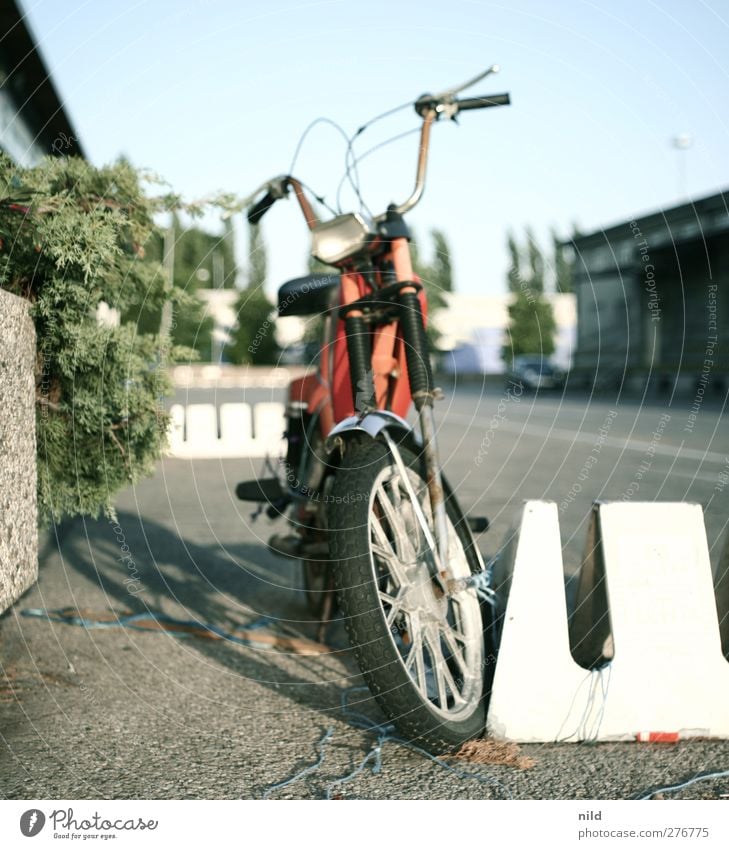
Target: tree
pixel 536 263
pixel 230 269
pixel 562 264
pixel 441 268
pixel 514 276
pixel 254 339
pixel 436 278
pixel 257 260
pixel 191 327
pixel 532 326
pixel 201 260
pixel 72 236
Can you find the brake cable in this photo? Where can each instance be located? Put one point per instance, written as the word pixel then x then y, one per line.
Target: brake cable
pixel 318 198
pixel 322 119
pixel 374 148
pixel 350 161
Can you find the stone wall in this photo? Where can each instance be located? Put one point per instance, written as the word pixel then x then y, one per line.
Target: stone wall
pixel 18 509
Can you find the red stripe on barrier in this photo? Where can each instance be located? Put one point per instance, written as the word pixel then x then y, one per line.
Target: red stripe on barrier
pixel 657 736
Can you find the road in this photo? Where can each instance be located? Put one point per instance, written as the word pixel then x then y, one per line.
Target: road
pixel 120 713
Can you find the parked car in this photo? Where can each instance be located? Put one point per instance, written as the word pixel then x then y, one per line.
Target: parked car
pixel 300 353
pixel 533 371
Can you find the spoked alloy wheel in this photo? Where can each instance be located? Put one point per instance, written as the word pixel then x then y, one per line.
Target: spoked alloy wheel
pixel 420 650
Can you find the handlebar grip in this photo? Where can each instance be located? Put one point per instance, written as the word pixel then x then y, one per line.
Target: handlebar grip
pixel 483 102
pixel 258 210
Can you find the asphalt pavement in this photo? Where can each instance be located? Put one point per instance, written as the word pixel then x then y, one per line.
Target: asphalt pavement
pixel 113 712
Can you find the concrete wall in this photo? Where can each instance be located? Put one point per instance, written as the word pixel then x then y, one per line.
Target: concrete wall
pixel 18 508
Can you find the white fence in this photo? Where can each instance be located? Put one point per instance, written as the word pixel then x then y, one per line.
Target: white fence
pixel 231 430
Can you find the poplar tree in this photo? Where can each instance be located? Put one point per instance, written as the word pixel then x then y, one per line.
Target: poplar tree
pixel 254 338
pixel 531 328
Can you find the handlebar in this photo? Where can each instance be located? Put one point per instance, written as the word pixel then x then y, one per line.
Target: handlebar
pixel 430 107
pixel 451 106
pixel 275 190
pixel 483 102
pixel 258 210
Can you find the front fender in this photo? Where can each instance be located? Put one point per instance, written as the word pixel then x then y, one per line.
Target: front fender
pixel 371 424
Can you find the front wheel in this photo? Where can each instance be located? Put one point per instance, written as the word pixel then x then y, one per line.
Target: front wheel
pixel 420 651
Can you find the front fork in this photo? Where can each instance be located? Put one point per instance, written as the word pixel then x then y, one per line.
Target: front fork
pixel 422 390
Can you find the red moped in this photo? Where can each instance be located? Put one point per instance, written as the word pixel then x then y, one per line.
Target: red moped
pixel 379 531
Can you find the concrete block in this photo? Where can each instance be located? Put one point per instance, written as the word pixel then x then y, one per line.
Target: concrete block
pixel 235 424
pixel 193 430
pixel 268 425
pixel 645 654
pixel 18 504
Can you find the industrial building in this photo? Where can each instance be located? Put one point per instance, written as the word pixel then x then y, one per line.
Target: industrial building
pixel 653 301
pixel 33 121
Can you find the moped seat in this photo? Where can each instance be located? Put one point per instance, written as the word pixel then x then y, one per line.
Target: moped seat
pixel 307 295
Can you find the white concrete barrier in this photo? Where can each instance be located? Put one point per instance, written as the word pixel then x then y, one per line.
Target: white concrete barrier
pixel 721 588
pixel 176 432
pixel 193 430
pixel 645 621
pixel 236 427
pixel 268 424
pixel 201 428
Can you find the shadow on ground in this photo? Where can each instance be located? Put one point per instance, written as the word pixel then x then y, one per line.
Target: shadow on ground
pixel 225 586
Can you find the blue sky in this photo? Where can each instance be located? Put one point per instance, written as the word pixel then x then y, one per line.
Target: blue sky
pixel 213 94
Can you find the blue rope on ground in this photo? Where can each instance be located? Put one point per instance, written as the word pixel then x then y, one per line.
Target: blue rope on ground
pixel 307 770
pixel 675 787
pixel 133 621
pixel 385 734
pixel 376 752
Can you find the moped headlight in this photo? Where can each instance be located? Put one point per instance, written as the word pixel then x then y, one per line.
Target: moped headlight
pixel 342 237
